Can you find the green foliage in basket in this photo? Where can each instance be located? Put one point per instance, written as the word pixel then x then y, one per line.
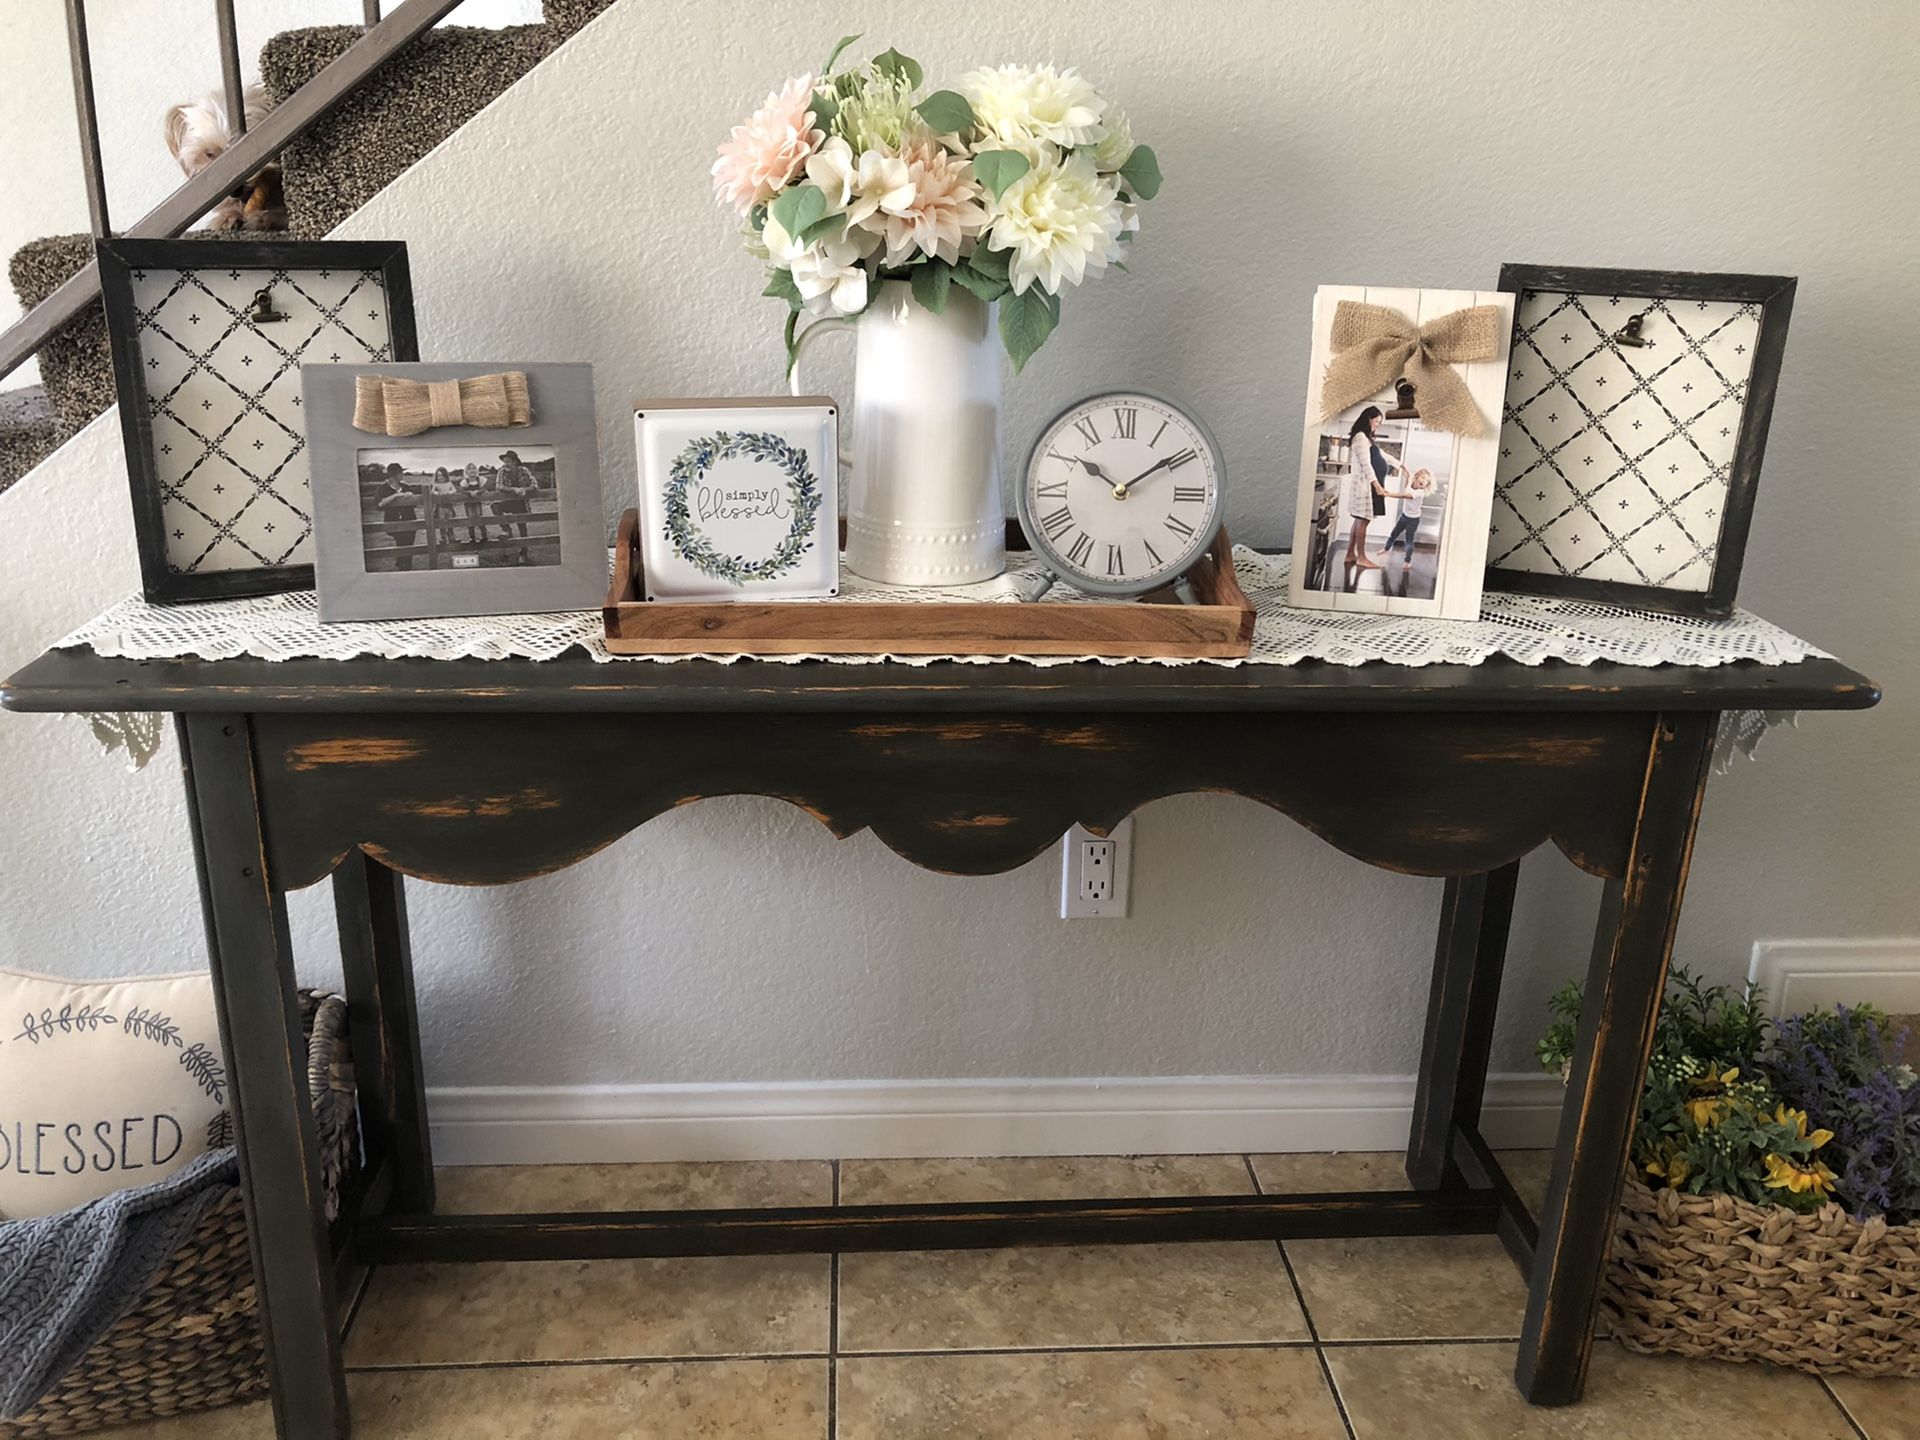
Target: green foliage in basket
pixel 1707 1021
pixel 1709 1120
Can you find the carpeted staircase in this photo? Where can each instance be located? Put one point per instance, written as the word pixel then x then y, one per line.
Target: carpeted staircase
pixel 435 86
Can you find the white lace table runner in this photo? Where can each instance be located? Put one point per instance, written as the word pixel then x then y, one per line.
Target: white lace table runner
pixel 1529 629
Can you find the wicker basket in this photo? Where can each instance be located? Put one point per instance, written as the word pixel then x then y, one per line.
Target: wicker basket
pixel 1717 1277
pixel 194 1342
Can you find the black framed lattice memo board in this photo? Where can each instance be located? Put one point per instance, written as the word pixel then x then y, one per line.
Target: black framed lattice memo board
pixel 208 339
pixel 1636 415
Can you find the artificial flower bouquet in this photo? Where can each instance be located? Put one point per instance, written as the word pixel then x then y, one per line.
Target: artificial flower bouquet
pixel 1812 1111
pixel 1018 183
pixel 1773 1210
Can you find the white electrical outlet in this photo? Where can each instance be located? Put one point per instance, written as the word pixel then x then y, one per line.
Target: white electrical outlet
pixel 1096 873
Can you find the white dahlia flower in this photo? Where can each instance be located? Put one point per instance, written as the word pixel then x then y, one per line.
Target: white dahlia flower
pixel 1116 146
pixel 1058 221
pixel 1022 103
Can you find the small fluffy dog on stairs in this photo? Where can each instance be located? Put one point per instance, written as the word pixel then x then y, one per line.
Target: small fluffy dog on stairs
pixel 198 133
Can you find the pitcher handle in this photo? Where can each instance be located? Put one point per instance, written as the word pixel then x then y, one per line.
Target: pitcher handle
pixel 804 338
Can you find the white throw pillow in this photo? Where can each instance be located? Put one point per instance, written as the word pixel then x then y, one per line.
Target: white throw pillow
pixel 104 1085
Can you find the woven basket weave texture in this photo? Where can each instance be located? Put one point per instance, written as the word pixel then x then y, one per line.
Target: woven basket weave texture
pixel 193 1343
pixel 1720 1278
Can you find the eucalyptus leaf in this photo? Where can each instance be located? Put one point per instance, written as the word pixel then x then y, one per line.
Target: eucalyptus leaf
pixel 990 262
pixel 894 65
pixel 1142 172
pixel 1025 323
pixel 780 286
pixel 798 207
pixel 946 112
pixel 825 225
pixel 845 40
pixel 997 169
pixel 930 284
pixel 986 287
pixel 823 108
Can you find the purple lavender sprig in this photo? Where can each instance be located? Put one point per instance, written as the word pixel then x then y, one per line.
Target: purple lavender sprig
pixel 1836 1067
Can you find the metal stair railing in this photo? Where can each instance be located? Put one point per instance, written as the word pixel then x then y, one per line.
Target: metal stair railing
pixel 251 150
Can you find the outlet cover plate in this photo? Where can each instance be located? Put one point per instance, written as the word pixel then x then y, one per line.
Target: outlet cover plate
pixel 1798 975
pixel 1072 905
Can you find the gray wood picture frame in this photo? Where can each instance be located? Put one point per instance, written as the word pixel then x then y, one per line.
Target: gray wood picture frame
pixel 561 397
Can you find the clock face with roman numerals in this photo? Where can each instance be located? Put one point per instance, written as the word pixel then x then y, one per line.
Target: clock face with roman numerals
pixel 1122 493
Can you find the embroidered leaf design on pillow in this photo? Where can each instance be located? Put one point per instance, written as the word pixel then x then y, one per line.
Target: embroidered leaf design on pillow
pixel 152 1025
pixel 66 1021
pixel 204 1066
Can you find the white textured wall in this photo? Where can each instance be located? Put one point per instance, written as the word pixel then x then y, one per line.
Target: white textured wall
pixel 1302 143
pixel 147 55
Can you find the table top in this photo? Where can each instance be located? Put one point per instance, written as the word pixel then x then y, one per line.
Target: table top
pixel 80 680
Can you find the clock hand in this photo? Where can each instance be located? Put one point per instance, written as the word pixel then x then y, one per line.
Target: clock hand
pixel 1092 469
pixel 1121 488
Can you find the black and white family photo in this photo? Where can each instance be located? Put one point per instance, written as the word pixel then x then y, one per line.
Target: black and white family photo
pixel 458 508
pixel 1381 481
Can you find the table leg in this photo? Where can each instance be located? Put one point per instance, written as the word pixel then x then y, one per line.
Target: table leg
pixel 252 963
pixel 376 959
pixel 1625 980
pixel 1460 1008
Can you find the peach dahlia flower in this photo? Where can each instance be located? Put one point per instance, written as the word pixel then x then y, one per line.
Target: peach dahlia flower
pixel 760 157
pixel 947 209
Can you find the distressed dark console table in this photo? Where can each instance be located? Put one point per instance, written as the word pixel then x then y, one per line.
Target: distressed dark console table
pixel 364 770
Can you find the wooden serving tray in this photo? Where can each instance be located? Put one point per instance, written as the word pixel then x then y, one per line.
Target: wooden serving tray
pixel 1159 626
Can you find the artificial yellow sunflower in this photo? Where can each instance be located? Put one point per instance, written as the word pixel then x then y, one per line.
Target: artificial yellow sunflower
pixel 1798 1119
pixel 1798 1179
pixel 1671 1167
pixel 1709 1103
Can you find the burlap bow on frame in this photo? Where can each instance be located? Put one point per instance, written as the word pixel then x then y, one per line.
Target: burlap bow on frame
pixel 1373 346
pixel 386 405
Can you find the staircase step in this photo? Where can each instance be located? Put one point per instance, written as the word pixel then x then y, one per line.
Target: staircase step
pixel 423 95
pixel 76 366
pixel 415 101
pixel 28 432
pixel 570 15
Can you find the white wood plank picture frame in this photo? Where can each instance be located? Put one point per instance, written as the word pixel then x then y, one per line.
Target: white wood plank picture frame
pixel 1438 540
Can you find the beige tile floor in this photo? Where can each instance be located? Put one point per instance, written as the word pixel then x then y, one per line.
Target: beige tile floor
pixel 1316 1340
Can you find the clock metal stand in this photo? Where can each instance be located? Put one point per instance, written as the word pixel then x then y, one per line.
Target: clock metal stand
pixel 1217 623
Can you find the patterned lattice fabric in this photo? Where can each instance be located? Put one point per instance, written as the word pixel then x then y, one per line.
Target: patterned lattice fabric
pixel 1614 460
pixel 223 401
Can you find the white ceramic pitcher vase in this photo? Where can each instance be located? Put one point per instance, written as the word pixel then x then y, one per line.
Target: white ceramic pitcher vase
pixel 922 493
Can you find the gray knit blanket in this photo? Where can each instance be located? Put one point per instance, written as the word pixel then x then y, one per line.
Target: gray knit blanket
pixel 65 1279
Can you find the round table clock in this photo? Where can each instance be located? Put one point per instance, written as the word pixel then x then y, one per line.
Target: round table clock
pixel 1122 493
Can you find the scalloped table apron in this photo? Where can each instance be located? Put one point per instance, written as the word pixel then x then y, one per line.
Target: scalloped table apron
pixel 1527 628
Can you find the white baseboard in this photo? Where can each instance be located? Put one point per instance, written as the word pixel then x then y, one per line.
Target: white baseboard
pixel 1204 1114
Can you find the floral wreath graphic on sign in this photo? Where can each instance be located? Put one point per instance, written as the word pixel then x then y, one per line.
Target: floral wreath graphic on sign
pixel 692 465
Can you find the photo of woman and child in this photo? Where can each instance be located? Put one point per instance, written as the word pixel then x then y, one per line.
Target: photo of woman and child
pixel 1380 486
pixel 466 496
